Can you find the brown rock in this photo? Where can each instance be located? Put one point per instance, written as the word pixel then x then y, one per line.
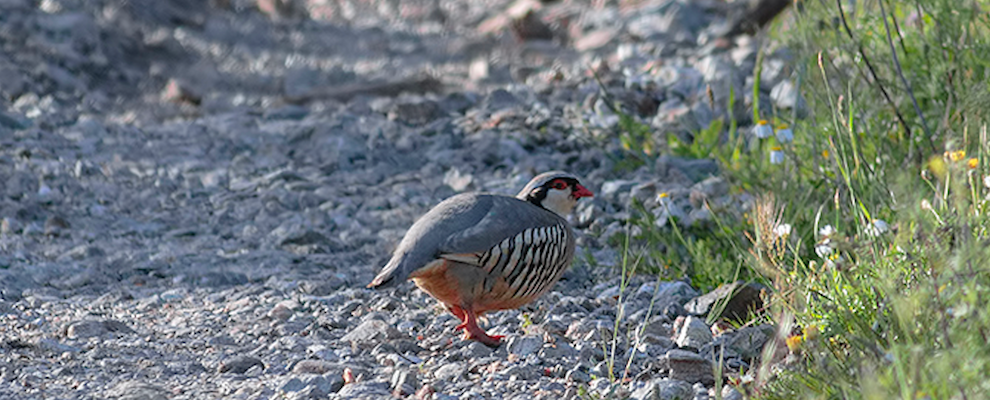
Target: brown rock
pixel 733 301
pixel 531 27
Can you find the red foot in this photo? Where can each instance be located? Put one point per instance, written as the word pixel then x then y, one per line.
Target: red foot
pixel 473 331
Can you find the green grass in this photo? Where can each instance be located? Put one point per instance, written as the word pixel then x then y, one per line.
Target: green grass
pixel 895 137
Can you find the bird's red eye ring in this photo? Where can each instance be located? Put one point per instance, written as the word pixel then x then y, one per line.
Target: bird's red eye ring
pixel 559 185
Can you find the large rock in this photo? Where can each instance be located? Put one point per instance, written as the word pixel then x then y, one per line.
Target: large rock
pixel 688 366
pixel 748 342
pixel 732 301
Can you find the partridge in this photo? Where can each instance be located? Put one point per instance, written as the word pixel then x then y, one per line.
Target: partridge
pixel 481 252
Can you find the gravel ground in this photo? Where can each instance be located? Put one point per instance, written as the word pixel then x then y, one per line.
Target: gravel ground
pixel 193 194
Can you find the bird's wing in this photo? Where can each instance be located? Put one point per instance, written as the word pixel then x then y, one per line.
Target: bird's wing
pixel 460 228
pixel 506 218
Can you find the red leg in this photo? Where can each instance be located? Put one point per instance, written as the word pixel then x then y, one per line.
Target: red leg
pixel 473 331
pixel 460 314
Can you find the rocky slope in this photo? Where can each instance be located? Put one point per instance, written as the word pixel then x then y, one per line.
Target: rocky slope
pixel 193 194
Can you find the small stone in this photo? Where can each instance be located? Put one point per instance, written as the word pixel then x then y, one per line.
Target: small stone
pixel 664 389
pixel 173 295
pixel 55 226
pixel 404 382
pixel 457 180
pixel 530 27
pixel 364 390
pixel 450 372
pixel 693 333
pixel 785 95
pixel 576 375
pixel 372 331
pixel 279 9
pixel 14 121
pixel 132 390
pixel 92 328
pixel 318 367
pixel 415 113
pixel 611 189
pixel 523 346
pixel 177 91
pixel 457 102
pixel 239 364
pixel 595 39
pixel 500 99
pixel 283 310
pixel 557 350
pixel 9 226
pixel 710 188
pixel 730 393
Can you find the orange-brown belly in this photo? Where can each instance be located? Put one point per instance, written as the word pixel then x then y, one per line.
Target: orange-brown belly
pixel 435 279
pixel 464 285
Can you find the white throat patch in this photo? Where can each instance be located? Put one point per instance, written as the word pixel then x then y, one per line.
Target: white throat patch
pixel 559 201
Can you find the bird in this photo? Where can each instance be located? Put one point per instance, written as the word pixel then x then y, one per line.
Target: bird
pixel 482 252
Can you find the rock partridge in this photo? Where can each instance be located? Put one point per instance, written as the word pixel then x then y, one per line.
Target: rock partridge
pixel 481 252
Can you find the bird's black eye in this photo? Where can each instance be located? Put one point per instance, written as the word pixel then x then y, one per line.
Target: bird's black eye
pixel 559 184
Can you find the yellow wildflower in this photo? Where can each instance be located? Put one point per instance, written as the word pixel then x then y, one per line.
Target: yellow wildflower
pixel 794 343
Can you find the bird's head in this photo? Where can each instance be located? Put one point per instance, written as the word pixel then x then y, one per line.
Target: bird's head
pixel 556 191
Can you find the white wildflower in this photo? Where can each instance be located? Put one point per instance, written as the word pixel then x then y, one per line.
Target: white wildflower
pixel 826 231
pixel 824 248
pixel 876 228
pixel 784 134
pixel 762 129
pixel 776 155
pixel 782 230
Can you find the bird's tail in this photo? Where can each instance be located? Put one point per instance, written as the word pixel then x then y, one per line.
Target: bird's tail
pixel 386 278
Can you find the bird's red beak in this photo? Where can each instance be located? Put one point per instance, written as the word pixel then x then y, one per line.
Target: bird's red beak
pixel 582 191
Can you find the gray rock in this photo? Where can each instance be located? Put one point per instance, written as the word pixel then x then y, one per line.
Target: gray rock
pixel 404 382
pixel 56 226
pixel 53 346
pixel 557 351
pixel 688 366
pixel 500 99
pixel 312 367
pixel 415 113
pixel 693 333
pixel 457 102
pixel 13 121
pixel 748 342
pixel 372 331
pixel 785 95
pixel 524 345
pixel 457 180
pixel 239 364
pixel 93 328
pixel 133 390
pixel 450 372
pixel 664 389
pixel 283 310
pixel 364 391
pixel 730 393
pixel 577 375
